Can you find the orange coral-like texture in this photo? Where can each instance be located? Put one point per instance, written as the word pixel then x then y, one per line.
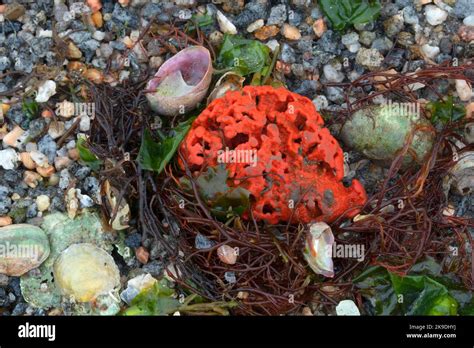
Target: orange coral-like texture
pixel 299 165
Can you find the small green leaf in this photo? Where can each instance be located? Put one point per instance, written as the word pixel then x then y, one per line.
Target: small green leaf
pixel 157 300
pixel 156 155
pixel 160 299
pixel 87 157
pixel 222 200
pixel 200 21
pixel 30 108
pixel 342 13
pixel 234 202
pixel 244 56
pixel 445 111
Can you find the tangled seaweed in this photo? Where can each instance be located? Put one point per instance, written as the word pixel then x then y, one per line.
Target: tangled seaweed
pixel 403 221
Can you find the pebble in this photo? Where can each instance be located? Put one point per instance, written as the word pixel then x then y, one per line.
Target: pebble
pixel 4 63
pixel 469 21
pixel 56 129
pixel 287 54
pixel 430 51
pixel 320 102
pixel 331 74
pixel 277 15
pixel 383 44
pixel 369 58
pixel 45 91
pixel 255 25
pixel 463 8
pixel 393 25
pixel 8 159
pixel 226 26
pixel 435 15
pixel 347 307
pixel 367 37
pixel 464 90
pixel 42 202
pixel 202 242
pixel 319 27
pixel 335 94
pixel 290 32
pixel 73 52
pixel 273 45
pixel 227 254
pixel 351 41
pixel 266 32
pixel 410 16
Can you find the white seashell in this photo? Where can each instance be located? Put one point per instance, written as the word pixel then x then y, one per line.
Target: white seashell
pixel 347 307
pixel 318 249
pixel 46 91
pixel 225 24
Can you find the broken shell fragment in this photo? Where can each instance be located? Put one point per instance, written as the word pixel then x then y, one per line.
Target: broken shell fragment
pixel 225 24
pixel 181 82
pixel 23 247
pixel 347 307
pixel 13 137
pixel 84 271
pixel 8 159
pixel 31 178
pixel 137 285
pixel 227 254
pixel 122 216
pixel 380 133
pixel 230 81
pixel 27 161
pixel 46 91
pixel 318 249
pixel 461 175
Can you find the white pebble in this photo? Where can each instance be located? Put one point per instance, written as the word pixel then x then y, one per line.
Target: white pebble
pixel 435 15
pixel 42 203
pixel 8 159
pixel 430 51
pixel 255 25
pixel 98 35
pixel 225 24
pixel 331 74
pixel 320 102
pixel 464 90
pixel 46 91
pixel 85 123
pixel 273 45
pixel 469 20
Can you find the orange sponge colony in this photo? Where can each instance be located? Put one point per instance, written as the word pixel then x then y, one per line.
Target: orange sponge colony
pixel 273 144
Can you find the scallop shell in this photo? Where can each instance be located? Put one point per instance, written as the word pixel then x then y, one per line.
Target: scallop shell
pixel 181 82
